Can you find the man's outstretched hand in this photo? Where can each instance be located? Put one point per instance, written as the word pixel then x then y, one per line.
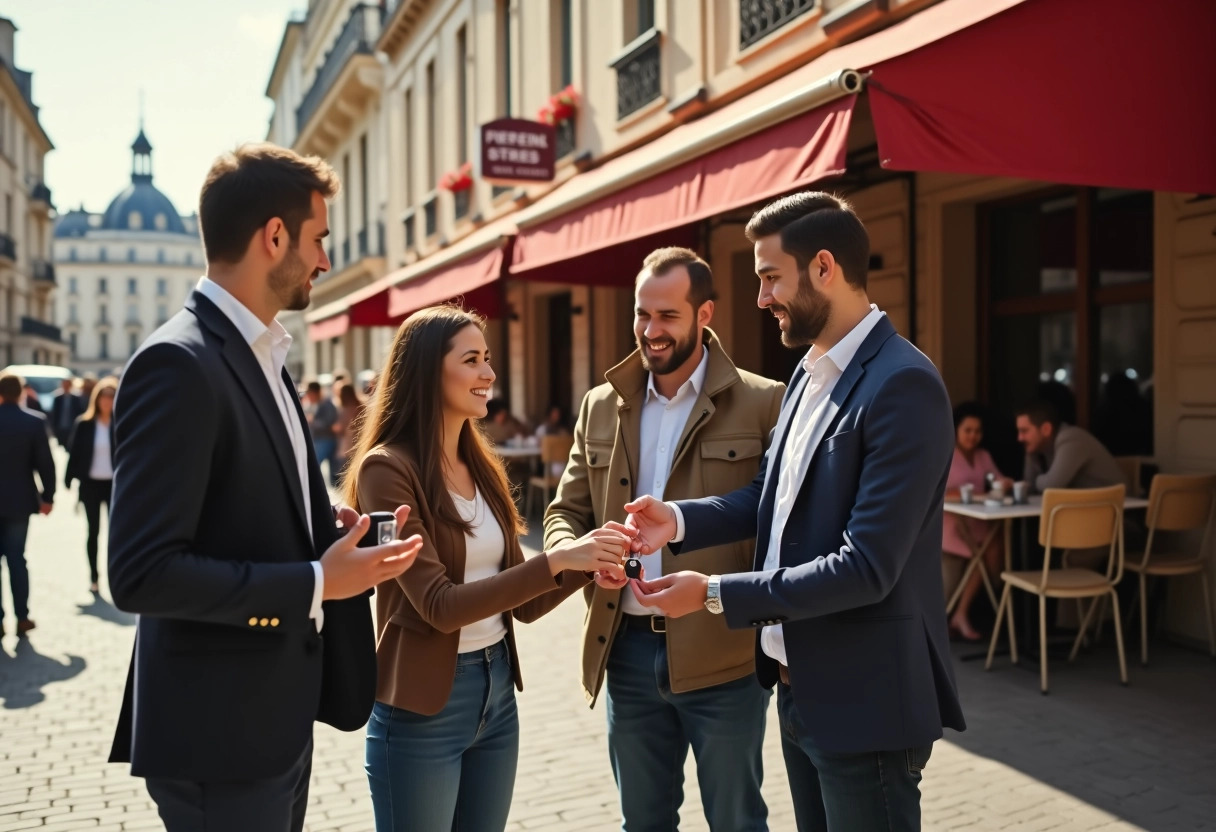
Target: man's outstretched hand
pixel 673 595
pixel 654 522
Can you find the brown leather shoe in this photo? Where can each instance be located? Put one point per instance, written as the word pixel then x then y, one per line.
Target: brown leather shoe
pixel 24 626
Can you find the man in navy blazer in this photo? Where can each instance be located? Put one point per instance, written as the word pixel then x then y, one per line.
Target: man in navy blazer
pixel 24 452
pixel 253 611
pixel 847 513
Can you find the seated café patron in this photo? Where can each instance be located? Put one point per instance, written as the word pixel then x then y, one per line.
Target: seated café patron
pixel 1059 455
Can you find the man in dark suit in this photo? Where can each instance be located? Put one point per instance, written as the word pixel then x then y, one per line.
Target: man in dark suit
pixel 24 451
pixel 847 514
pixel 66 406
pixel 253 611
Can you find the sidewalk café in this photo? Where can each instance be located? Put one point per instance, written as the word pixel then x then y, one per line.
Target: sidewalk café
pixel 1038 182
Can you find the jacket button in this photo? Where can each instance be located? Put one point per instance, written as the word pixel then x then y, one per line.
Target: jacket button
pixel 264 622
pixel 274 622
pixel 601 639
pixel 253 622
pixel 611 605
pixel 624 481
pixel 731 454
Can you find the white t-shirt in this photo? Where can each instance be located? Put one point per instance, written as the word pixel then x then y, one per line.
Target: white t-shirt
pixel 102 467
pixel 485 547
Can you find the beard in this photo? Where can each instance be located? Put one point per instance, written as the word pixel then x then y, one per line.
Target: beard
pixel 673 357
pixel 806 315
pixel 289 281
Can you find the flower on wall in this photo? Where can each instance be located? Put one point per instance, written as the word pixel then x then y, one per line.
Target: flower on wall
pixel 560 107
pixel 457 180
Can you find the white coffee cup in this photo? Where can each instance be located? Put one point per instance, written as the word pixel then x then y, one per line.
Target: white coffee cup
pixel 965 493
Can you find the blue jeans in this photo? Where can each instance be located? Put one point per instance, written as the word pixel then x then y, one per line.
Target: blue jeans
pixel 325 449
pixel 13 531
pixel 839 792
pixel 650 730
pixel 454 770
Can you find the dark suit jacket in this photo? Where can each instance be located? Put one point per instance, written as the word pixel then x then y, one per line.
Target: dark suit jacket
pixel 24 451
pixel 859 586
pixel 75 405
pixel 208 543
pixel 80 450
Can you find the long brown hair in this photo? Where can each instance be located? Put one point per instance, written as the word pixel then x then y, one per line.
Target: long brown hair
pixel 406 410
pixel 108 383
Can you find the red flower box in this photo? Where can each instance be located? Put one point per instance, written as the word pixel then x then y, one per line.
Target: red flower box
pixel 457 180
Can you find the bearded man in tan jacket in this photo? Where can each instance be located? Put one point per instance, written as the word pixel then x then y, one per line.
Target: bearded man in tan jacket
pixel 676 418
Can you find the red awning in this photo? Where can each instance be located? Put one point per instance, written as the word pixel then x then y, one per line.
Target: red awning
pixel 1111 93
pixel 798 151
pixel 461 279
pixel 332 327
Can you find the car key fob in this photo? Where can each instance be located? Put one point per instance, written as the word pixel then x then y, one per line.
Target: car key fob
pixel 383 529
pixel 633 568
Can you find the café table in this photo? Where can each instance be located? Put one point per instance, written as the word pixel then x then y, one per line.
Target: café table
pixel 1005 511
pixel 520 452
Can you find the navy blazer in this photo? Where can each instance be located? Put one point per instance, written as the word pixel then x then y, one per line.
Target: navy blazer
pixel 24 451
pixel 859 587
pixel 209 544
pixel 81 446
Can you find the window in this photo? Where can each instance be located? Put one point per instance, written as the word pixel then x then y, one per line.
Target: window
pixel 347 220
pixel 364 200
pixel 189 258
pixel 135 221
pixel 101 254
pixel 132 286
pixel 103 345
pixel 432 176
pixel 409 148
pixel 72 253
pixel 462 95
pixel 160 255
pixel 72 280
pixel 162 313
pixel 162 287
pixel 132 313
pixel 130 255
pixel 132 342
pixel 1067 310
pixel 72 314
pixel 101 286
pixel 72 342
pixel 565 61
pixel 645 17
pixel 504 58
pixel 103 315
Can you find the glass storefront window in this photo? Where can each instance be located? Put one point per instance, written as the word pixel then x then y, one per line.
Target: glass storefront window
pixel 1033 248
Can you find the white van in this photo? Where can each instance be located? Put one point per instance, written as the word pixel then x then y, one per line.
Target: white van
pixel 44 378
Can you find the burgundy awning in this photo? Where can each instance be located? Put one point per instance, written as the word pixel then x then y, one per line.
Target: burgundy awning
pixel 1114 93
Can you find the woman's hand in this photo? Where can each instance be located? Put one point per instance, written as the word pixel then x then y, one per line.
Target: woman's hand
pixel 602 550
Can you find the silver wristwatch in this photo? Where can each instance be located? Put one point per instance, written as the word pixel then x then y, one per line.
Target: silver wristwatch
pixel 713 595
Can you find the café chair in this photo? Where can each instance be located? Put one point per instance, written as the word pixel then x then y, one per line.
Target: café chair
pixel 553 449
pixel 1071 518
pixel 1176 503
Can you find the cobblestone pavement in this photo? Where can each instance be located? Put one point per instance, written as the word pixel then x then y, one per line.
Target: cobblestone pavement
pixel 1090 756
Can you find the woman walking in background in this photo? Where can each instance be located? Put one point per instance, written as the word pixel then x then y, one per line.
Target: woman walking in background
pixel 443 738
pixel 90 460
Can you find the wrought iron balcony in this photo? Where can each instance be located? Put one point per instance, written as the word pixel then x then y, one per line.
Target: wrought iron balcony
pixel 40 195
pixel 44 271
pixel 40 329
pixel 430 218
pixel 760 18
pixel 358 37
pixel 8 247
pixel 565 138
pixel 639 74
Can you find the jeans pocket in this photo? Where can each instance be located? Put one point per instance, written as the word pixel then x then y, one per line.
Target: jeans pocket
pixel 918 758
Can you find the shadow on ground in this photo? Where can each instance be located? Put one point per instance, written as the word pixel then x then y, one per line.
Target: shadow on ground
pixel 25 672
pixel 1145 753
pixel 101 608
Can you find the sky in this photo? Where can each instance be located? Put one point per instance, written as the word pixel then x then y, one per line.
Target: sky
pixel 202 66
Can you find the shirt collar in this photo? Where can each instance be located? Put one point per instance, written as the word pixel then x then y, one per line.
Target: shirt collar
pixel 697 379
pixel 842 353
pixel 248 324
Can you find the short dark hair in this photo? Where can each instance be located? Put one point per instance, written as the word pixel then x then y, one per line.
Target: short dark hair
pixel 313 386
pixel 1040 412
pixel 11 386
pixel 968 410
pixel 814 221
pixel 250 186
pixel 700 279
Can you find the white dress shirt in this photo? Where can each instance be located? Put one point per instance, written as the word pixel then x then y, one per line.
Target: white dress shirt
pixel 807 429
pixel 102 467
pixel 270 345
pixel 663 423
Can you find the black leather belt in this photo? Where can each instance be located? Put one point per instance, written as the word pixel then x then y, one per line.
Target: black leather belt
pixel 647 623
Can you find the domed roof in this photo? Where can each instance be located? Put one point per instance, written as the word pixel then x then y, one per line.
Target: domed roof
pixel 72 224
pixel 141 207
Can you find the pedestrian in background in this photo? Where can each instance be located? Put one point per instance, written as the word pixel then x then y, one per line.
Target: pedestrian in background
pixel 91 461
